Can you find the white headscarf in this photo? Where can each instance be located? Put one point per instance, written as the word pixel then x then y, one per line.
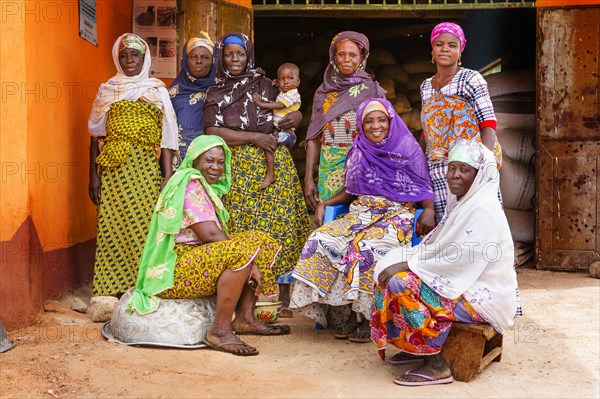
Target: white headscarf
pixel 123 87
pixel 470 252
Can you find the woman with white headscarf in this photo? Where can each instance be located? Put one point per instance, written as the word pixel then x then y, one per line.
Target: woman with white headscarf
pixel 462 271
pixel 131 119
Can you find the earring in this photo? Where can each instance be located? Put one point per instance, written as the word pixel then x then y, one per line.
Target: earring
pixel 459 63
pixel 432 60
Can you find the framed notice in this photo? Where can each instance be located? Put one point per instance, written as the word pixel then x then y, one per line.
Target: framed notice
pixel 87 21
pixel 154 21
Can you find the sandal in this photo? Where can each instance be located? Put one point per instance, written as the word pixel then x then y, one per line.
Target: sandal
pixel 268 329
pixel 285 313
pixel 355 336
pixel 223 348
pixel 345 331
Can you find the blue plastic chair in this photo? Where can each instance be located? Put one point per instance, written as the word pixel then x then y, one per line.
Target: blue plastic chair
pixel 335 211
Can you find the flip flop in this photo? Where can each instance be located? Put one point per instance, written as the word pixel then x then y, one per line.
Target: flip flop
pixel 268 329
pixel 221 348
pixel 359 340
pixel 402 358
pixel 428 380
pixel 346 330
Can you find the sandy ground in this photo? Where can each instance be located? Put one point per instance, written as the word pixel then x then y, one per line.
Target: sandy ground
pixel 551 352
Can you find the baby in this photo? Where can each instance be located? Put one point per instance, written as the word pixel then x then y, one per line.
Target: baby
pixel 288 100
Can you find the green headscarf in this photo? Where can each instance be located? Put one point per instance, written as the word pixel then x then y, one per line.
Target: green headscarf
pixel 157 264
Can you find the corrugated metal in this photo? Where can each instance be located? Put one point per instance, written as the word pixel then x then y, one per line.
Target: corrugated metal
pixel 568 161
pixel 264 7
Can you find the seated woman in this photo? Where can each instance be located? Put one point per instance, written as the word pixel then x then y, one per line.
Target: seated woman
pixel 462 271
pixel 188 253
pixel 386 176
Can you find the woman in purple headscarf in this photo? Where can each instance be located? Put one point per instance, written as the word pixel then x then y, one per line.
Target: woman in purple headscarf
pixel 332 127
pixel 455 104
pixel 385 178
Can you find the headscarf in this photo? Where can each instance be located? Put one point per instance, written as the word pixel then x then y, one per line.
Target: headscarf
pixel 449 27
pixel 395 168
pixel 470 252
pixel 123 87
pixel 188 93
pixel 157 264
pixel 339 93
pixel 203 41
pixel 229 103
pixel 469 154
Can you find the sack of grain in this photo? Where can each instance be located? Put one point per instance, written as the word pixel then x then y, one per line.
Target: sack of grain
pixel 522 225
pixel 413 119
pixel 401 105
pixel 515 111
pixel 511 82
pixel 517 144
pixel 517 184
pixel 394 71
pixel 419 66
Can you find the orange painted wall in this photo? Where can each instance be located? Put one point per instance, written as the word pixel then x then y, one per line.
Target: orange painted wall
pixel 49 79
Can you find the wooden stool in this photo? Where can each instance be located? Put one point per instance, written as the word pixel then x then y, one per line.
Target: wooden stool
pixel 471 347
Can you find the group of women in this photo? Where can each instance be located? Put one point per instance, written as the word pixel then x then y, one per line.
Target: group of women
pixel 213 230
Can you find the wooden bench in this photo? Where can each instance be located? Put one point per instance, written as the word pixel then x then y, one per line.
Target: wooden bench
pixel 471 347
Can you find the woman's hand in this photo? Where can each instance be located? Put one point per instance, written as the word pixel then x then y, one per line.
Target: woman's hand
pixel 255 280
pixel 311 193
pixel 389 272
pixel 267 142
pixel 320 214
pixel 290 121
pixel 257 98
pixel 426 221
pixel 94 189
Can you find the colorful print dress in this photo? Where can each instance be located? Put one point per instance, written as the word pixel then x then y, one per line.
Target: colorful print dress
pixel 199 266
pixel 131 179
pixel 457 111
pixel 337 261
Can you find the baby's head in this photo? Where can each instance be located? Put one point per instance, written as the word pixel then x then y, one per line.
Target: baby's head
pixel 288 77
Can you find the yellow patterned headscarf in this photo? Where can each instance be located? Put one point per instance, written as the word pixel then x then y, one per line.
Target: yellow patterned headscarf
pixel 203 40
pixel 134 42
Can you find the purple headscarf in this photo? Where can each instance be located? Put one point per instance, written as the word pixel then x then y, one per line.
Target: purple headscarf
pixel 395 168
pixel 449 27
pixel 339 93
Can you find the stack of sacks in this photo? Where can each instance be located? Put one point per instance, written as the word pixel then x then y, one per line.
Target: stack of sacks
pixel 513 96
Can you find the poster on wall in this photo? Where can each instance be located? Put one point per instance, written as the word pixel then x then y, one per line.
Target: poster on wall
pixel 154 21
pixel 87 21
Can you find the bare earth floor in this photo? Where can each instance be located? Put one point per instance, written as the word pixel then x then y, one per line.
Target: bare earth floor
pixel 551 352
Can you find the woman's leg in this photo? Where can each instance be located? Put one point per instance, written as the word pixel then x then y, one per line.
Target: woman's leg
pixel 246 323
pixel 230 289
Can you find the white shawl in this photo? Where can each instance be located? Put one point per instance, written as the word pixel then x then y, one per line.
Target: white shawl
pixel 470 252
pixel 123 87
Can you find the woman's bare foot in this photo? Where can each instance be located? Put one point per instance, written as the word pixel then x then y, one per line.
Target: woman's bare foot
pixel 434 371
pixel 255 327
pixel 227 341
pixel 269 179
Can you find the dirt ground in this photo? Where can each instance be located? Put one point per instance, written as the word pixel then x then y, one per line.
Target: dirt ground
pixel 553 351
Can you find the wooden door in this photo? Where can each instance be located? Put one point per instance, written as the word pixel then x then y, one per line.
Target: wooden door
pixel 568 138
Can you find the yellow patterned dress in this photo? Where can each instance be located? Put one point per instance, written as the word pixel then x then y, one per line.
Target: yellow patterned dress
pixel 199 266
pixel 130 177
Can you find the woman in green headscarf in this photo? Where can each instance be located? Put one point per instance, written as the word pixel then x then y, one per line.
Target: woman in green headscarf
pixel 188 253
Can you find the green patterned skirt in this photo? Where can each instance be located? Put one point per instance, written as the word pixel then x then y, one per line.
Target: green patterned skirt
pixel 129 193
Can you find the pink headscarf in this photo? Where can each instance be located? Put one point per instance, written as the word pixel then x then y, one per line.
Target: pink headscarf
pixel 449 27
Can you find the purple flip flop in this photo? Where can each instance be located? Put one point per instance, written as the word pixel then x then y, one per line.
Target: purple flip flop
pixel 428 380
pixel 401 358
